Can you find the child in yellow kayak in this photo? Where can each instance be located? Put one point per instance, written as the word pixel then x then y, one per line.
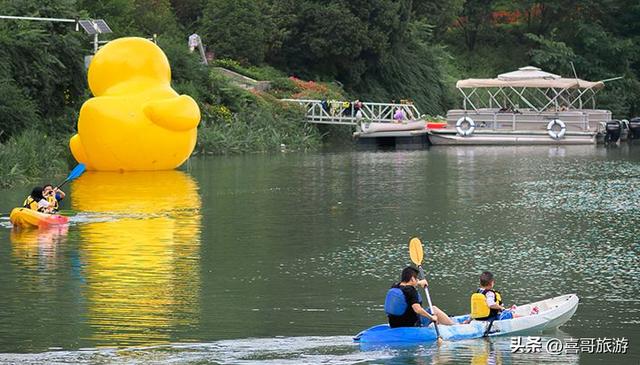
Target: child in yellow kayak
pixel 36 201
pixel 53 196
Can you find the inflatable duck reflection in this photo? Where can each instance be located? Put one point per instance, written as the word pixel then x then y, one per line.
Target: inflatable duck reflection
pixel 136 121
pixel 142 265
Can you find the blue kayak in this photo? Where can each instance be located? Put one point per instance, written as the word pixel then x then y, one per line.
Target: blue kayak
pixel 551 313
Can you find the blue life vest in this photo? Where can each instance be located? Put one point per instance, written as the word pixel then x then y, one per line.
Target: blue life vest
pixel 395 303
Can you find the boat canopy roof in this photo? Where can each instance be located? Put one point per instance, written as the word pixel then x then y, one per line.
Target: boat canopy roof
pixel 529 77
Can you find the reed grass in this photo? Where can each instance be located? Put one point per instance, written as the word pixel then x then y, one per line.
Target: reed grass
pixel 33 157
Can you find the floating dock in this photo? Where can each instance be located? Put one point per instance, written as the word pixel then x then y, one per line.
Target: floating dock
pixel 400 140
pixel 374 124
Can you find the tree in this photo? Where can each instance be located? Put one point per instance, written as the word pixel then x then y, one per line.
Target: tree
pixel 237 29
pixel 42 68
pixel 475 18
pixel 338 38
pixel 441 14
pixel 188 12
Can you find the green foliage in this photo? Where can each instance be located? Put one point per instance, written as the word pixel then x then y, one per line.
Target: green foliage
pixel 262 124
pixel 414 72
pixel 260 73
pixel 240 121
pixel 224 93
pixel 42 72
pixel 155 17
pixel 141 18
pixel 300 89
pixel 228 63
pixel 118 13
pixel 17 110
pixel 188 12
pixel 440 14
pixel 338 38
pixel 283 87
pixel 188 74
pixel 216 114
pixel 474 20
pixel 30 155
pixel 237 29
pixel 554 55
pixel 597 54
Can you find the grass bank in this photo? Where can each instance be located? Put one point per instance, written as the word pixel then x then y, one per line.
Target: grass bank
pixel 260 124
pixel 236 120
pixel 247 121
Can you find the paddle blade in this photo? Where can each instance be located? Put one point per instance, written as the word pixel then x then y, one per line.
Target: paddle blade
pixel 415 251
pixel 77 171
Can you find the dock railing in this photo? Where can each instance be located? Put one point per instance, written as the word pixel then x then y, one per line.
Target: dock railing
pixel 345 112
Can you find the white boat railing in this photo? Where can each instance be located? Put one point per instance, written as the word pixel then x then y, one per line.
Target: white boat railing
pixel 345 112
pixel 586 120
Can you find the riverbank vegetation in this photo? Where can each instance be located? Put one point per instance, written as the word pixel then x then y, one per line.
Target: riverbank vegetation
pixel 373 50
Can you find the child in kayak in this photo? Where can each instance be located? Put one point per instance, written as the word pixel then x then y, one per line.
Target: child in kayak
pixel 486 302
pixel 36 201
pixel 53 196
pixel 403 303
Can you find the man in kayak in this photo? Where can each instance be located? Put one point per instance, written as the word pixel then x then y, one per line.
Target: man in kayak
pixel 403 303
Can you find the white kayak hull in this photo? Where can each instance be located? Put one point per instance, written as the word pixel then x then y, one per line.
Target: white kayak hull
pixel 443 137
pixel 553 313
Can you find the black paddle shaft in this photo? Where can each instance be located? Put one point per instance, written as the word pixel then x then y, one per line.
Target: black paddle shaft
pixel 421 272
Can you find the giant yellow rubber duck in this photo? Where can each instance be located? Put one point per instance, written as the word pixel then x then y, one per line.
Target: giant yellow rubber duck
pixel 135 121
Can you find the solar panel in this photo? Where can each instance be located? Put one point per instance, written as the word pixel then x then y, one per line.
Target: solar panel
pixel 87 25
pixel 102 26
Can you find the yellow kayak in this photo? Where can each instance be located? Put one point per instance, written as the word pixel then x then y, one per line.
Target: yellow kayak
pixel 27 218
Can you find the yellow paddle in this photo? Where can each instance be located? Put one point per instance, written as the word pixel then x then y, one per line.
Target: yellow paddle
pixel 416 253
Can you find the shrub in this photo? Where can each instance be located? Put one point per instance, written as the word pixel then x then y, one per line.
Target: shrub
pixel 32 155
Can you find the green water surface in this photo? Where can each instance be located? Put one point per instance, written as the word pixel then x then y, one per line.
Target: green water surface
pixel 282 258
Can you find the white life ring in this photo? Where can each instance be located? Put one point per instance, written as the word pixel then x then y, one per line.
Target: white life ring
pixel 468 131
pixel 556 134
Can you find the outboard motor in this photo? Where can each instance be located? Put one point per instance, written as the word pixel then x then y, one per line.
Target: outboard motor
pixel 634 128
pixel 624 130
pixel 612 132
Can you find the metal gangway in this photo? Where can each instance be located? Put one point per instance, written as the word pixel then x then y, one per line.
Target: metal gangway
pixel 346 112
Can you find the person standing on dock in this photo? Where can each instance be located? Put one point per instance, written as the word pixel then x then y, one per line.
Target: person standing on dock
pixel 399 116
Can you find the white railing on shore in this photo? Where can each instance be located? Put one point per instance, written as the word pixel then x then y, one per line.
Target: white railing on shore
pixel 344 112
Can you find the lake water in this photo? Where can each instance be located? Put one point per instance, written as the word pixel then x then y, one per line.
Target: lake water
pixel 283 258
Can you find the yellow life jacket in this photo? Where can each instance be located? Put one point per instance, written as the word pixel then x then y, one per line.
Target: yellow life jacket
pixel 479 307
pixel 30 203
